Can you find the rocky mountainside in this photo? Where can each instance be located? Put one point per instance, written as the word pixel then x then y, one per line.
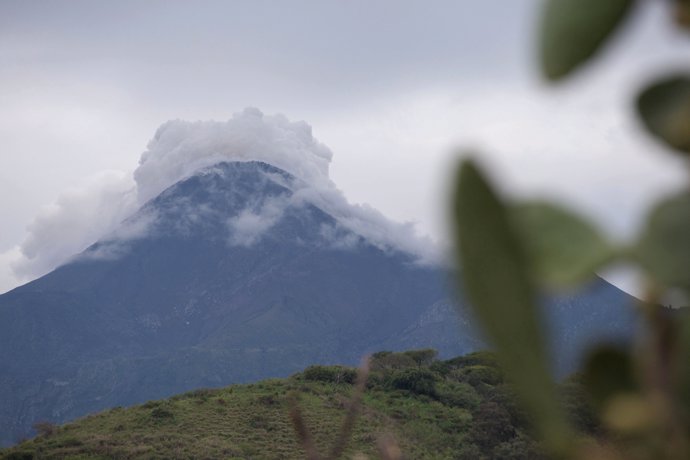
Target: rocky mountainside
pixel 233 275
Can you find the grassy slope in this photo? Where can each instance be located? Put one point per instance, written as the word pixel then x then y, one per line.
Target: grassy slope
pixel 452 409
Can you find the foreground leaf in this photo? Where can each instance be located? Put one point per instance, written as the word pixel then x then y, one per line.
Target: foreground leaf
pixel 497 281
pixel 664 248
pixel 572 31
pixel 608 372
pixel 665 110
pixel 565 248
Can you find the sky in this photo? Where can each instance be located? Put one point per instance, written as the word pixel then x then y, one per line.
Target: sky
pixel 396 90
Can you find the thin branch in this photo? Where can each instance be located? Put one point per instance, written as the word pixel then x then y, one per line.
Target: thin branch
pixel 388 448
pixel 354 405
pixel 303 433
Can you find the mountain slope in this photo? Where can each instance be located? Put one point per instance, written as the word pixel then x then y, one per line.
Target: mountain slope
pixel 459 408
pixel 232 275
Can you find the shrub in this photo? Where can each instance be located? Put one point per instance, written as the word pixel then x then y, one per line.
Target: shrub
pixel 268 400
pixel 518 448
pixel 483 358
pixel 492 426
pixel 160 413
pixel 387 360
pixel 478 374
pixel 45 428
pixel 459 395
pixel 201 394
pixel 330 374
pixel 422 358
pixel 417 381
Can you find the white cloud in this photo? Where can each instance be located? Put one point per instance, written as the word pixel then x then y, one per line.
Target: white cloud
pixel 252 222
pixel 338 237
pixel 78 218
pixel 114 242
pixel 8 278
pixel 369 223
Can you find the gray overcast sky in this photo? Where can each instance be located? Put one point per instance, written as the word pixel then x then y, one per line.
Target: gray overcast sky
pixel 390 86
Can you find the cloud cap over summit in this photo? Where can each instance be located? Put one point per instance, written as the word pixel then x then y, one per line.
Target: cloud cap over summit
pixel 180 148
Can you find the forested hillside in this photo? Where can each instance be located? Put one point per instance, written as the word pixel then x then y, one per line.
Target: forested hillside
pixel 426 408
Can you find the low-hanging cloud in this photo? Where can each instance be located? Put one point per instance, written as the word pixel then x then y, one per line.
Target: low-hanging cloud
pixel 79 217
pixel 251 223
pixel 97 209
pixel 369 223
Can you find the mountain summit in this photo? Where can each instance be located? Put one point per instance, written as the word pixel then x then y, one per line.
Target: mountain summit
pixel 239 271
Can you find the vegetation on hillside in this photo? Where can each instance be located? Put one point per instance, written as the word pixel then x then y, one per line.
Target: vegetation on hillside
pixel 431 409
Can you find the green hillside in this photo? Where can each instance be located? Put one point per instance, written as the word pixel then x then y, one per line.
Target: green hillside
pixel 459 408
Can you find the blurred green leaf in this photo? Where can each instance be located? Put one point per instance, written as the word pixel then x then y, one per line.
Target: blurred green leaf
pixel 496 278
pixel 630 414
pixel 665 110
pixel 565 248
pixel 608 372
pixel 572 31
pixel 664 247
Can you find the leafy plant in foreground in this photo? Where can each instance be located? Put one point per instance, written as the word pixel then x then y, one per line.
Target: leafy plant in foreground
pixel 510 251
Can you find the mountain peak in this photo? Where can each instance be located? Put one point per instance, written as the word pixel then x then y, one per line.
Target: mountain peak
pixel 240 202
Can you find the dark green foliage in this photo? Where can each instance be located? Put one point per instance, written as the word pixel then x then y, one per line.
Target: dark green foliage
pixel 518 448
pixel 564 248
pixel 422 357
pixel 160 413
pixel 578 405
pixel 201 394
pixel 608 371
pixel 19 455
pixel 468 451
pixel 417 381
pixel 665 109
pixel 483 358
pixel 386 360
pixel 572 31
pixel 458 394
pixel 477 374
pixel 491 425
pixel 664 248
pixel 330 374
